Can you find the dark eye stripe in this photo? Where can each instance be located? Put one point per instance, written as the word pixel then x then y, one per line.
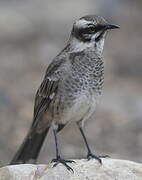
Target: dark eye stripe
pixel 91 29
pixel 98 28
pixel 87 30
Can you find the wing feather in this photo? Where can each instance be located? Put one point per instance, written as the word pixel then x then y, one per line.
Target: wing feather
pixel 47 89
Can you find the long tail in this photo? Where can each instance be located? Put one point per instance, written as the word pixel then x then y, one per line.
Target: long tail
pixel 30 148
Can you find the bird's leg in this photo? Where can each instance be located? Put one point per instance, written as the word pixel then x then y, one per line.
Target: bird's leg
pixel 58 159
pixel 89 154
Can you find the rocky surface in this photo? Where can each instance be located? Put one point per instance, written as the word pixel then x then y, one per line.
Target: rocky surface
pixel 111 169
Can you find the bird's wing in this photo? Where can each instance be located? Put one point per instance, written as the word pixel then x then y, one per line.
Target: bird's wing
pixel 48 88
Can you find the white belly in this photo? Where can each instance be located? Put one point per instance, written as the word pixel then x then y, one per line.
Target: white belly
pixel 82 109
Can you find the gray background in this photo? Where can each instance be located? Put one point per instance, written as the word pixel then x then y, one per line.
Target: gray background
pixel 32 32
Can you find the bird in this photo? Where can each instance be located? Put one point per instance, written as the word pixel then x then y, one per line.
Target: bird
pixel 70 90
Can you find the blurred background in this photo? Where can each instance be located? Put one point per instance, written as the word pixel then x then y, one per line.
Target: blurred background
pixel 32 33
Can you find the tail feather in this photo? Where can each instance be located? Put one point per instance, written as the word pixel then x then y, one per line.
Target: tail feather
pixel 30 148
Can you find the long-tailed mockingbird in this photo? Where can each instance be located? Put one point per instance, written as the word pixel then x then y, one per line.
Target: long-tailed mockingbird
pixel 70 89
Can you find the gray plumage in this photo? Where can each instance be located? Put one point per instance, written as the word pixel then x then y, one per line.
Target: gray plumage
pixel 72 77
pixel 71 87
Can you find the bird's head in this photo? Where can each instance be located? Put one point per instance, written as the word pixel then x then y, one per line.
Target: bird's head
pixel 90 31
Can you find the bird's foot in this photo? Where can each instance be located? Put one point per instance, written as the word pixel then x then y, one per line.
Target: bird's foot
pixel 93 156
pixel 62 161
pixel 98 158
pixel 104 156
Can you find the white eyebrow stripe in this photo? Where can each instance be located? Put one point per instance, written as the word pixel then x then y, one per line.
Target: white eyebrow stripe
pixel 82 22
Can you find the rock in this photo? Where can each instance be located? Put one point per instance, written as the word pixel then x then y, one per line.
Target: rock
pixel 111 169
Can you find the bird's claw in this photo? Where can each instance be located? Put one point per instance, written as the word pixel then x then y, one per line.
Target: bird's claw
pixel 98 158
pixel 104 156
pixel 64 162
pixel 93 156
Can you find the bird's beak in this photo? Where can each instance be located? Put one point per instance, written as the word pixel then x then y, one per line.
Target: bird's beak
pixel 111 26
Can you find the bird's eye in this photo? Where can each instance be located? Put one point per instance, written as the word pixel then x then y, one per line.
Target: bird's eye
pixel 91 28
